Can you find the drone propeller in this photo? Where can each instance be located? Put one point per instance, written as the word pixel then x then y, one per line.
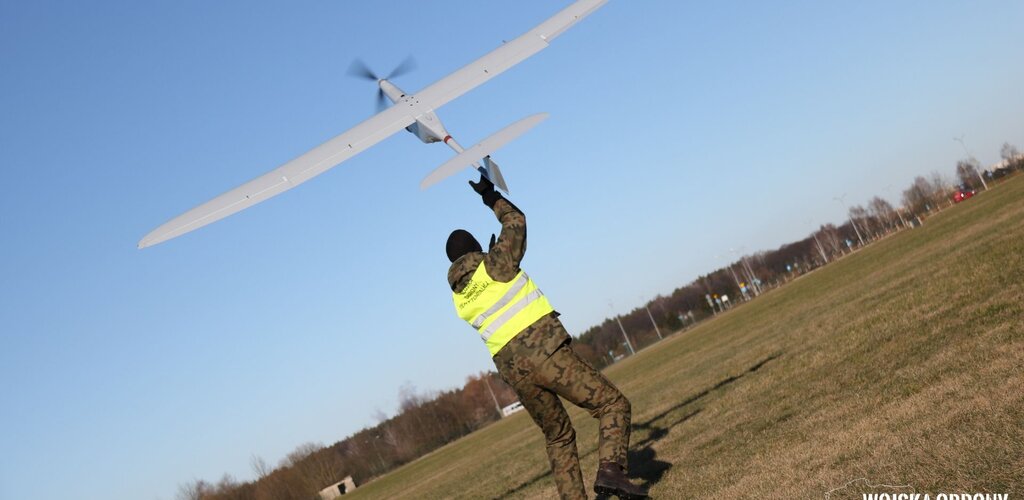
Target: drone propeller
pixel 404 67
pixel 361 70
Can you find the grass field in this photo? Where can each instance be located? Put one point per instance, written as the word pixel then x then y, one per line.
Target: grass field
pixel 902 364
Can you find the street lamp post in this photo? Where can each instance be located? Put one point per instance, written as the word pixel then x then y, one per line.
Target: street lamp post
pixel 814 233
pixel 900 215
pixel 649 315
pixel 739 285
pixel 821 249
pixel 749 272
pixel 842 201
pixel 628 343
pixel 975 160
pixel 888 189
pixel 497 407
pixel 623 329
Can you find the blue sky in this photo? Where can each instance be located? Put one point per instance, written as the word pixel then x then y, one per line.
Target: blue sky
pixel 678 130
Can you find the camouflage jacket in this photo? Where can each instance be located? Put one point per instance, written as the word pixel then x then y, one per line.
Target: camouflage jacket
pixel 538 341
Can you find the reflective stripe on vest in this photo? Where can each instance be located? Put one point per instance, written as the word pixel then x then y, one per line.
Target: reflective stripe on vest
pixel 517 285
pixel 510 313
pixel 500 310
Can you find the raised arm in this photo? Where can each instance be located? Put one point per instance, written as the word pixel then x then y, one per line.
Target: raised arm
pixel 506 252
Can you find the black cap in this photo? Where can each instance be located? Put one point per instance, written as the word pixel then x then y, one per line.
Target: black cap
pixel 461 242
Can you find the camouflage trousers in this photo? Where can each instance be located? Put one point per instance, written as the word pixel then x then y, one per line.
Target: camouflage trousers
pixel 565 374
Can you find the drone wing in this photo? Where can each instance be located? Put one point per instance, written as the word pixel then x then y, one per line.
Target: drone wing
pixel 509 54
pixel 287 176
pixel 375 129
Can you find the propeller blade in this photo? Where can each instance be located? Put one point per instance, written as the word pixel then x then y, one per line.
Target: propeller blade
pixel 360 69
pixel 382 101
pixel 404 67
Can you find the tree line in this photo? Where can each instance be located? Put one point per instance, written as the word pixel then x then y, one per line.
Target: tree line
pixel 424 422
pixel 602 344
pixel 428 420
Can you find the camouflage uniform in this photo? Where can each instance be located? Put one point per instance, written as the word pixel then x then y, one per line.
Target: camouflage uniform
pixel 540 364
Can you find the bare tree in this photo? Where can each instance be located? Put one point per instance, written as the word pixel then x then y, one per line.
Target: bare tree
pixel 320 469
pixel 829 235
pixel 1011 156
pixel 410 402
pixel 967 173
pixel 859 216
pixel 883 212
pixel 282 484
pixel 300 453
pixel 259 466
pixel 1009 152
pixel 194 490
pixel 230 489
pixel 940 189
pixel 918 197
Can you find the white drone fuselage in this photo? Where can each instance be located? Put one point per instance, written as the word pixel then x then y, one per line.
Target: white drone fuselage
pixel 414 113
pixel 428 127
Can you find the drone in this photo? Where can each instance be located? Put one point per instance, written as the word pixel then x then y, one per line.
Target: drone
pixel 412 112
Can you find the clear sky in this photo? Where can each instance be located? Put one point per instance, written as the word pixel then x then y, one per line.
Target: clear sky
pixel 678 130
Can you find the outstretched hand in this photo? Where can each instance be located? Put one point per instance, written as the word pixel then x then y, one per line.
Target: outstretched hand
pixel 485 188
pixel 482 187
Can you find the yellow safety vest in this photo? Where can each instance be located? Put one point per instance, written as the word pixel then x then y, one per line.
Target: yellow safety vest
pixel 499 310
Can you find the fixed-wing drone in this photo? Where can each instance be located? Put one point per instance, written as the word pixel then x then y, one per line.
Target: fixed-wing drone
pixel 413 112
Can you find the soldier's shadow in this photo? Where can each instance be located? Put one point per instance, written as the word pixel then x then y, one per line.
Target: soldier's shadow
pixel 643 461
pixel 643 458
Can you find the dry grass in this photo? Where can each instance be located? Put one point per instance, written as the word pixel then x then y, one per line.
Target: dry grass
pixel 902 364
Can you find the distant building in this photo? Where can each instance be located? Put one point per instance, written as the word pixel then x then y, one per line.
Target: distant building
pixel 338 489
pixel 1005 164
pixel 512 408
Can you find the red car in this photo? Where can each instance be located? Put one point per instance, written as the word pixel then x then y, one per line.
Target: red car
pixel 962 195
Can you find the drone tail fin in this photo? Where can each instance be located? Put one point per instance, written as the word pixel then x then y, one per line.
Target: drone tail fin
pixel 483 150
pixel 493 174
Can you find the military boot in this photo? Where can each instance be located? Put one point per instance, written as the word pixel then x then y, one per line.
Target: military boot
pixel 612 480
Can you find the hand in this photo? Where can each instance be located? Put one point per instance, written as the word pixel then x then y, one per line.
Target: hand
pixel 483 187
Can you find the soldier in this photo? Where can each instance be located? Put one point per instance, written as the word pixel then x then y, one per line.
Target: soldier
pixel 532 352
